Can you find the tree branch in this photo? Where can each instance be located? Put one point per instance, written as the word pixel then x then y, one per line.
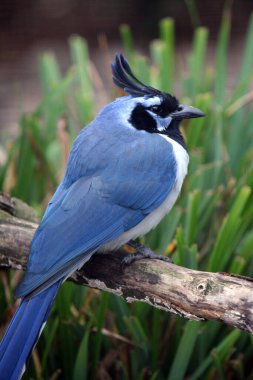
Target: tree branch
pixel 192 294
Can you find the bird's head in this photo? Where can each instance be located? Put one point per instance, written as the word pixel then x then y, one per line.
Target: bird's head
pixel 148 109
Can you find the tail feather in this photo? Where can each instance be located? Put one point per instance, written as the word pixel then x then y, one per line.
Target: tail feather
pixel 23 332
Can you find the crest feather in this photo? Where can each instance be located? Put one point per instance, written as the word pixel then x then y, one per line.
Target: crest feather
pixel 124 78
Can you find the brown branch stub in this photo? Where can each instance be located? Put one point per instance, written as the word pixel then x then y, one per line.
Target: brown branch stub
pixel 193 294
pixel 18 208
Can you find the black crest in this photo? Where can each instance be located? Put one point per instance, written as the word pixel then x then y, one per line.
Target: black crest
pixel 124 78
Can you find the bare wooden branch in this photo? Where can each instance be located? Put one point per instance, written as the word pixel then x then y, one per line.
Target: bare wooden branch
pixel 192 294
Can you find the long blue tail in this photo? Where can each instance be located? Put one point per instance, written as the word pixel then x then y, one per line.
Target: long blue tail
pixel 23 332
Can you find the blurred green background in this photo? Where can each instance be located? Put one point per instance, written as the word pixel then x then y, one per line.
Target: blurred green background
pixel 94 335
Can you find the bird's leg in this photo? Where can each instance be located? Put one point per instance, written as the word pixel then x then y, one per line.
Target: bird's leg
pixel 142 253
pixel 141 249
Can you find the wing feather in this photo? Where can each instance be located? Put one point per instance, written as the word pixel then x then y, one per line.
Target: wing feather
pixel 111 196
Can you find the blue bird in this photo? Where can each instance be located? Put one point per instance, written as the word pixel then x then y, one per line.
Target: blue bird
pixel 124 173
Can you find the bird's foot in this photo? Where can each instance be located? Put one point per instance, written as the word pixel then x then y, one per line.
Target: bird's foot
pixel 142 253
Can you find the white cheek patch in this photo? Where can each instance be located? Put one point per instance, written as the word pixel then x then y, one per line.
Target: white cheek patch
pixel 160 128
pixel 163 123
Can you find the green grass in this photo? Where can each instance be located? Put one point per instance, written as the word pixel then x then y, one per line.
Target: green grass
pixel 95 335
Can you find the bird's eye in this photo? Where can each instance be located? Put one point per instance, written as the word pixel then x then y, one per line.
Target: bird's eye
pixel 154 109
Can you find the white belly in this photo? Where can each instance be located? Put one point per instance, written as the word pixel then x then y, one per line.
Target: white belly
pixel 155 217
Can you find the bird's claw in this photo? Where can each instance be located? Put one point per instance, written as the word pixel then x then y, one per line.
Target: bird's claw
pixel 142 253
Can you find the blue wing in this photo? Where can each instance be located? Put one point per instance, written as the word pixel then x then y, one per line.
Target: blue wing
pixel 109 187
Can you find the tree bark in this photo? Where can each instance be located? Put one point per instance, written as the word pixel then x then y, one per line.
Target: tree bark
pixel 192 294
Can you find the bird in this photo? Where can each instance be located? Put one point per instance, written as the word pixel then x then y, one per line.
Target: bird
pixel 123 175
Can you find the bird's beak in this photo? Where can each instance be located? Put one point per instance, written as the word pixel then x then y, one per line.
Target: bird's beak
pixel 186 112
